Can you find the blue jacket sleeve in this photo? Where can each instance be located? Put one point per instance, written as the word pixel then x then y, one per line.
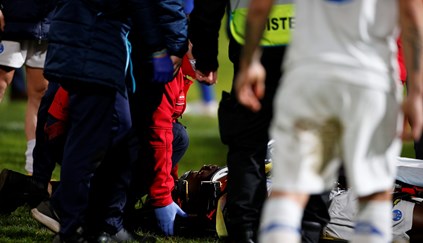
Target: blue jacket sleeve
pixel 204 28
pixel 144 21
pixel 173 25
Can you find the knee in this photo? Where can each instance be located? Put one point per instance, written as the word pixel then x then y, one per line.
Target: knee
pixel 37 89
pixel 180 136
pixel 3 87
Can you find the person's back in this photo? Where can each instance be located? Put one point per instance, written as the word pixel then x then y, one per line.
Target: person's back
pixel 364 40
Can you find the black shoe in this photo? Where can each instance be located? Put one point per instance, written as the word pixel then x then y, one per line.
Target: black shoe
pixel 242 236
pixel 45 214
pixel 17 189
pixel 7 204
pixel 124 236
pixel 78 237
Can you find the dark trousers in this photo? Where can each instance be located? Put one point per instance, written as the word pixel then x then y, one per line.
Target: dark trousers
pixel 418 148
pixel 246 135
pixel 96 146
pixel 180 142
pixel 45 157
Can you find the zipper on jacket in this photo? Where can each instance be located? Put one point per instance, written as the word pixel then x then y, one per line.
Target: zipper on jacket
pixel 40 27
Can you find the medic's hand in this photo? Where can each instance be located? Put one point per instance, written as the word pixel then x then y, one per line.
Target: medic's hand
pixel 166 217
pixel 163 67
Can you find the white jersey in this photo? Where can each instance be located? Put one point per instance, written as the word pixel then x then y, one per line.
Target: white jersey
pixel 365 39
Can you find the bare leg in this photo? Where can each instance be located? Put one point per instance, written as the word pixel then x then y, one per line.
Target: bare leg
pixel 6 75
pixel 36 85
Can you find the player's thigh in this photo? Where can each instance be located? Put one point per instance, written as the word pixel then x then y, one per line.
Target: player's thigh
pixel 370 141
pixel 35 53
pixel 306 132
pixel 34 62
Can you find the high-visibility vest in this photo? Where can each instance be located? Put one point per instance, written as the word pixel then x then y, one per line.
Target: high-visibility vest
pixel 279 23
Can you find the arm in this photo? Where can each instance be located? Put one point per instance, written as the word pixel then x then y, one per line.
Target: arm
pixel 411 22
pixel 145 25
pixel 2 23
pixel 249 83
pixel 174 26
pixel 150 36
pixel 204 28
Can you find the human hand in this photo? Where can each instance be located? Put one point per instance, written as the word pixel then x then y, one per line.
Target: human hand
pixel 249 85
pixel 163 67
pixel 413 116
pixel 210 78
pixel 166 217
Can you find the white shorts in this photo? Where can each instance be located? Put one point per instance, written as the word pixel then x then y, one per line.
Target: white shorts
pixel 29 52
pixel 320 120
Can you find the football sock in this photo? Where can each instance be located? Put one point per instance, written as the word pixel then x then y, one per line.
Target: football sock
pixel 281 221
pixel 373 222
pixel 28 154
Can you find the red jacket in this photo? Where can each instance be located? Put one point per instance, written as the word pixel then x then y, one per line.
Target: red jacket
pixel 160 136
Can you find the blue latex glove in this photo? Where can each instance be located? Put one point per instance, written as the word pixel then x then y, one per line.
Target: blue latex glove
pixel 188 6
pixel 166 217
pixel 163 67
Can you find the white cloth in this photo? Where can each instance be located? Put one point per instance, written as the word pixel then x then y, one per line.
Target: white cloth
pixel 410 171
pixel 358 34
pixel 340 98
pixel 320 120
pixel 29 52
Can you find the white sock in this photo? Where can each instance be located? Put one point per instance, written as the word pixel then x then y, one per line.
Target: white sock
pixel 373 223
pixel 281 221
pixel 28 154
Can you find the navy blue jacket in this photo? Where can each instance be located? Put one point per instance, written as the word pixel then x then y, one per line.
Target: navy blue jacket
pixel 173 26
pixel 87 42
pixel 27 19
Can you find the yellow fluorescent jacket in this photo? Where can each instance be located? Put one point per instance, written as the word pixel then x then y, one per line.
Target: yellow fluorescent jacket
pixel 279 25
